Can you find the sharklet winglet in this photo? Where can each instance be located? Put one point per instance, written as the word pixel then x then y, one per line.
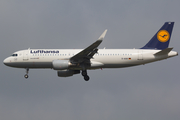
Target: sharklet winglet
pixel 102 35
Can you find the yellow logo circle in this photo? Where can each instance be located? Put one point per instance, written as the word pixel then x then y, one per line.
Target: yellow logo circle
pixel 163 36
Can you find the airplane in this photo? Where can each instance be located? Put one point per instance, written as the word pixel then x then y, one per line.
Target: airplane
pixel 68 62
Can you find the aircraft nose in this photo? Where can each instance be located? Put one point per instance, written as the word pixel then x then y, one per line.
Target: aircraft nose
pixel 6 61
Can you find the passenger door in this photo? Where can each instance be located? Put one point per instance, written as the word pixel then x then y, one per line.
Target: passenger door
pixel 25 55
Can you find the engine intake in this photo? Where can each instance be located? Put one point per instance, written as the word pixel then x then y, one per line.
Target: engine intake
pixel 60 64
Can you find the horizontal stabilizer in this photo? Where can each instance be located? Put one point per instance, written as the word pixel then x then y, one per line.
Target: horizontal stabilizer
pixel 164 52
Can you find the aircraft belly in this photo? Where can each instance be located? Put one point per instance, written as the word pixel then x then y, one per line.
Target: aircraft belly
pixel 31 64
pixel 40 65
pixel 118 65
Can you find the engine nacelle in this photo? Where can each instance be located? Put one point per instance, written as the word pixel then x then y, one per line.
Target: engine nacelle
pixel 67 73
pixel 60 64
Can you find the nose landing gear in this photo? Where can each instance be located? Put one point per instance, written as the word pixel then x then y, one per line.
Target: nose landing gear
pixel 26 75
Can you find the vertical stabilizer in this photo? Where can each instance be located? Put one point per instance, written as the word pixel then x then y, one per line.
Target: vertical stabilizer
pixel 161 39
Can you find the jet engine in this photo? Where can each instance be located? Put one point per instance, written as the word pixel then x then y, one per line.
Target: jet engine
pixel 67 73
pixel 60 64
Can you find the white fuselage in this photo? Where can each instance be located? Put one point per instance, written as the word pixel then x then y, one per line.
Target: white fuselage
pixel 68 62
pixel 105 58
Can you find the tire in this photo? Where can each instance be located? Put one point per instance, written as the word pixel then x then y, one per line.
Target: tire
pixel 26 76
pixel 86 78
pixel 84 73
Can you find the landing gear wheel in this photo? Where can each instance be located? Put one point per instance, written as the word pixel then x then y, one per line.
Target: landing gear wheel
pixel 26 76
pixel 86 78
pixel 84 73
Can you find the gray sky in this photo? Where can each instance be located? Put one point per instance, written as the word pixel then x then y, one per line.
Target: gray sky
pixel 137 93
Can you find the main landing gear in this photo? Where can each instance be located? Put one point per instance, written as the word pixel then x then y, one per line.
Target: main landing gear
pixel 26 75
pixel 84 74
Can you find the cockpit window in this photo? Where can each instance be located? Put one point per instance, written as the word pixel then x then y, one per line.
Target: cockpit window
pixel 14 55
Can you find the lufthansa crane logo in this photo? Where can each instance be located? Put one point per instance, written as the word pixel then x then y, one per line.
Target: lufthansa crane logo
pixel 163 36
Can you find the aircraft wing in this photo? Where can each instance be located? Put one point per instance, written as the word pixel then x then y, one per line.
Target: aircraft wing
pixel 88 52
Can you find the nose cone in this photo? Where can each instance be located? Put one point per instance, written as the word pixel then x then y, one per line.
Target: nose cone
pixel 6 61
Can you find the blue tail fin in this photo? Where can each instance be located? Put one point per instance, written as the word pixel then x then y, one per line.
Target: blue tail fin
pixel 161 39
